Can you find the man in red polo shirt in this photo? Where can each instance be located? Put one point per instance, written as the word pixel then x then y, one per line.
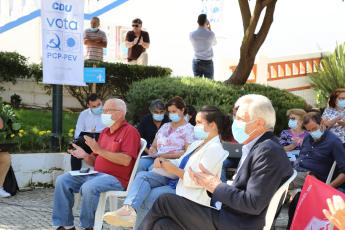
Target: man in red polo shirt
pixel 113 157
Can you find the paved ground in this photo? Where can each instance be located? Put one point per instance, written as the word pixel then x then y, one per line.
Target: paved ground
pixel 32 210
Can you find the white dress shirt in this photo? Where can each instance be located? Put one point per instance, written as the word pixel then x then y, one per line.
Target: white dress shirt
pixel 202 40
pixel 245 151
pixel 88 122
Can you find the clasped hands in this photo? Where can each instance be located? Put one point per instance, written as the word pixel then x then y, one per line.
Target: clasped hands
pixel 79 153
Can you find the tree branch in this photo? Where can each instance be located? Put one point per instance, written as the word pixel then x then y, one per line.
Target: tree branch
pixel 245 13
pixel 249 33
pixel 266 2
pixel 266 25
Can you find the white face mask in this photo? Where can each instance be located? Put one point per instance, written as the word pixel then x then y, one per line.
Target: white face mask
pixel 106 120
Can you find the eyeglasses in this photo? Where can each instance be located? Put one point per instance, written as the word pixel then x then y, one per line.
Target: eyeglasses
pixel 110 110
pixel 135 25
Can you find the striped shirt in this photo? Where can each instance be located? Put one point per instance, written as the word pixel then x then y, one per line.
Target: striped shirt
pixel 94 52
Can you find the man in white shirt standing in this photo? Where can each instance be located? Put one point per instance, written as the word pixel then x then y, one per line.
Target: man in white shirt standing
pixel 202 40
pixel 89 120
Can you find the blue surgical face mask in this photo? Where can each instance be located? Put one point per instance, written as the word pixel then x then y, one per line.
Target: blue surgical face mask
pixel 186 118
pixel 292 124
pixel 97 110
pixel 238 131
pixel 200 133
pixel 94 29
pixel 317 134
pixel 341 104
pixel 174 117
pixel 158 117
pixel 106 120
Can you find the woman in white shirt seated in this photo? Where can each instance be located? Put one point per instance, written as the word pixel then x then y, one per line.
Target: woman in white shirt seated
pixel 171 176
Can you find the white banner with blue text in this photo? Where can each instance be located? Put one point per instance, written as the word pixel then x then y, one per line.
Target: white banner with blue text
pixel 62 41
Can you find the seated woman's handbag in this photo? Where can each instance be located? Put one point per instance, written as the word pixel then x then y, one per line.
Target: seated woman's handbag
pixel 10 184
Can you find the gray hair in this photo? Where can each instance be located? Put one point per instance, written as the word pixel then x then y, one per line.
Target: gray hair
pixel 119 104
pixel 156 104
pixel 258 106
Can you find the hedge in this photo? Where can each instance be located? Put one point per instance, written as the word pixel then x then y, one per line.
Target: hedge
pixel 199 92
pixel 118 76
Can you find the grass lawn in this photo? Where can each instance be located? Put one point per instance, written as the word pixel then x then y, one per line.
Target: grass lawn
pixel 42 119
pixel 36 127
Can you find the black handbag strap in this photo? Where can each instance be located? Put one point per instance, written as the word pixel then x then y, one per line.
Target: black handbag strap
pixel 139 38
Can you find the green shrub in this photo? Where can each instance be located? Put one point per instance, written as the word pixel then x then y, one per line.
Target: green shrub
pixel 10 121
pixel 119 76
pixel 330 75
pixel 13 66
pixel 199 92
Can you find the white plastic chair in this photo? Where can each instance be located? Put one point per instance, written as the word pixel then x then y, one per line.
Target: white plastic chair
pixel 274 203
pixel 331 172
pixel 113 196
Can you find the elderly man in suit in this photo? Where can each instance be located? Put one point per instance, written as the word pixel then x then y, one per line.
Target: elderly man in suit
pixel 263 168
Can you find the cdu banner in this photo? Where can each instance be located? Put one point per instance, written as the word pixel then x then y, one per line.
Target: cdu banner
pixel 62 41
pixel 308 214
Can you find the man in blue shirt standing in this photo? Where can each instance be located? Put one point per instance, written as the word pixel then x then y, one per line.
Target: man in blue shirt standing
pixel 202 40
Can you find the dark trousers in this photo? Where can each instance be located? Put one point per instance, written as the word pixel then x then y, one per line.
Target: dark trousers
pixel 75 163
pixel 172 212
pixel 203 68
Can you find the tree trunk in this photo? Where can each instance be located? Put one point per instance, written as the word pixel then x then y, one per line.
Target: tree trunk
pixel 252 41
pixel 243 68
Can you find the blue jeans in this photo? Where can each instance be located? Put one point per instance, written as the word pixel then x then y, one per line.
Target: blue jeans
pixel 90 187
pixel 145 189
pixel 203 68
pixel 145 164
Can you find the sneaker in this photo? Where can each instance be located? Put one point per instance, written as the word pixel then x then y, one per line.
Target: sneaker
pixel 3 193
pixel 123 217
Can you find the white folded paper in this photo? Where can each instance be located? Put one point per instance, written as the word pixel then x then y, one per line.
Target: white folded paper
pixel 78 173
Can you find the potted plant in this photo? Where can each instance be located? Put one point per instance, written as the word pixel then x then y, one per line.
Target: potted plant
pixel 11 127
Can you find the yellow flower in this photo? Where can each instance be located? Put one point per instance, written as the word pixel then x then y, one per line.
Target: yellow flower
pixel 41 133
pixel 70 134
pixel 71 130
pixel 21 131
pixel 49 132
pixel 35 130
pixel 12 135
pixel 20 134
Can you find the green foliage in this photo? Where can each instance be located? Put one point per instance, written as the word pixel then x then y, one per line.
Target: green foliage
pixel 119 76
pixel 330 75
pixel 10 122
pixel 13 66
pixel 35 134
pixel 199 92
pixel 16 100
pixel 118 79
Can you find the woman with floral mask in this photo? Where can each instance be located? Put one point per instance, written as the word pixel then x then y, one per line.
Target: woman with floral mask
pixel 292 138
pixel 334 116
pixel 173 138
pixel 207 152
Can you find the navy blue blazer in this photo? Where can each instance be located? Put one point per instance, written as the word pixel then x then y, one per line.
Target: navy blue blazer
pixel 245 202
